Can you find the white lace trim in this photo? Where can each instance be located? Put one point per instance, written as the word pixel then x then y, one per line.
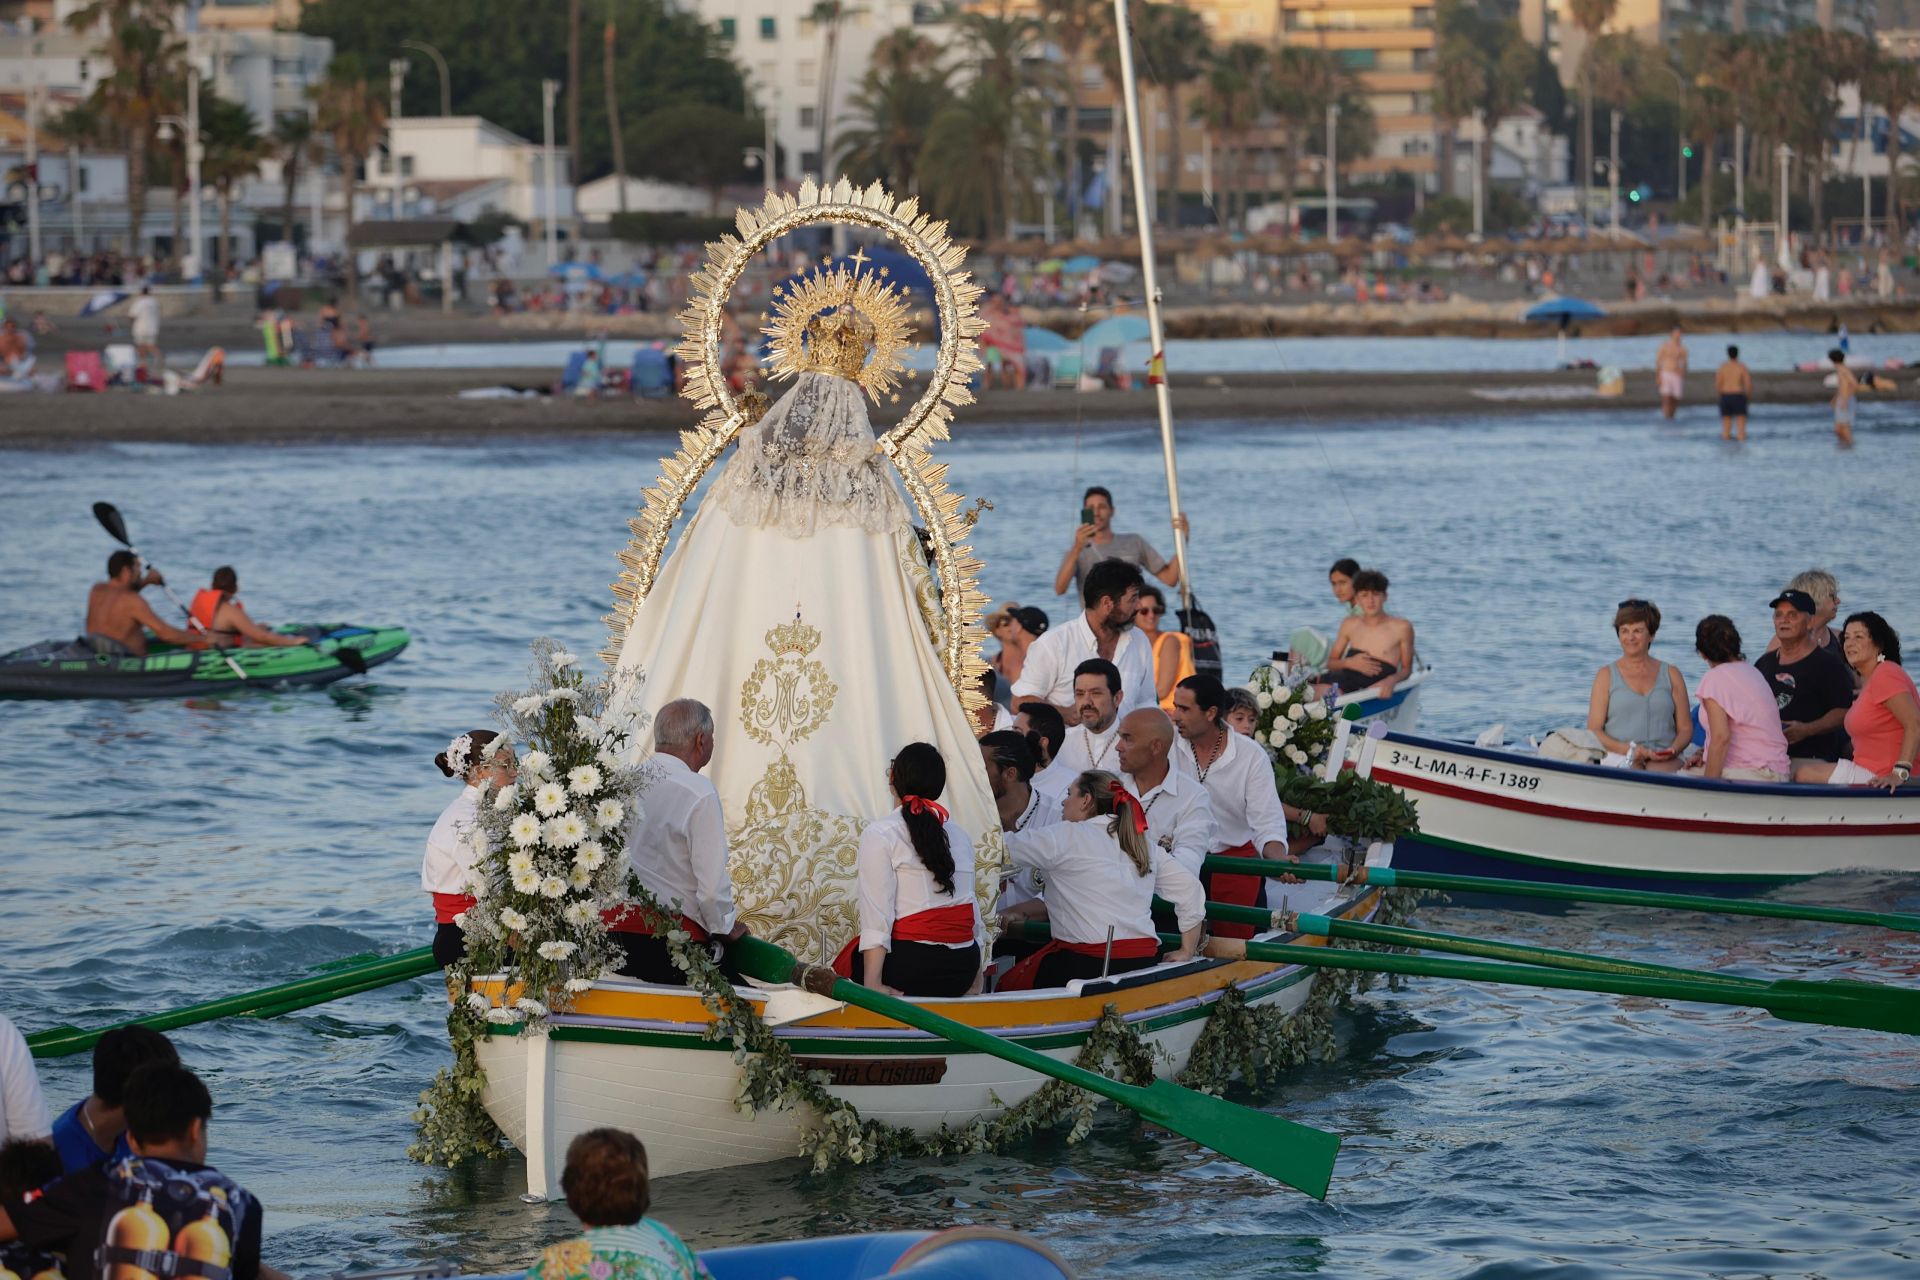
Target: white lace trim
pixel 811 461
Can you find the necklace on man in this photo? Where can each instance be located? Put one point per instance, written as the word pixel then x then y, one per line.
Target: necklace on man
pixel 1093 761
pixel 1218 751
pixel 1033 803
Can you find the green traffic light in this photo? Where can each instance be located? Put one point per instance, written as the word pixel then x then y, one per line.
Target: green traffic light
pixel 1687 152
pixel 1634 196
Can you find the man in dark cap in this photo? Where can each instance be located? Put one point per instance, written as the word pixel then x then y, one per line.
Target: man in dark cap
pixel 1812 685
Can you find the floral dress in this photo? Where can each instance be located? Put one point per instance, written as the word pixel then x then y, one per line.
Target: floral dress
pixel 644 1251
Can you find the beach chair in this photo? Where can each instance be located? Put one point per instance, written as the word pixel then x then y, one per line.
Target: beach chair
pixel 651 377
pixel 85 372
pixel 570 376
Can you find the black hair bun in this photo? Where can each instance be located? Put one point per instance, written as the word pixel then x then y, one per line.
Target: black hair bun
pixel 441 761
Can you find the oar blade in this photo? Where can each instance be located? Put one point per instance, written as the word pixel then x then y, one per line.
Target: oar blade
pixel 109 517
pixel 1297 1154
pixel 1845 1002
pixel 351 658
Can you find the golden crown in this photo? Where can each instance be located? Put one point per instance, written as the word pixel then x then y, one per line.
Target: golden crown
pixel 851 323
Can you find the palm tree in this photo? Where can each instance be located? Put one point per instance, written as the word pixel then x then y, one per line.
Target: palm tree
pixel 1459 83
pixel 1301 84
pixel 1895 85
pixel 827 15
pixel 1071 25
pixel 1173 52
pixel 904 90
pixel 1591 17
pixel 234 150
pixel 294 143
pixel 353 114
pixel 1228 106
pixel 141 50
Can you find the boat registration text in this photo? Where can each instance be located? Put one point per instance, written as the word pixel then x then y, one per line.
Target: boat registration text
pixel 1465 770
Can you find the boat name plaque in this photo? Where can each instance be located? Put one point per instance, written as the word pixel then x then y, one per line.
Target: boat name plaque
pixel 844 1072
pixel 1466 771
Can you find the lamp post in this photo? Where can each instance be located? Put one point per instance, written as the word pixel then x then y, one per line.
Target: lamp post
pixel 397 70
pixel 1479 197
pixel 1613 178
pixel 440 65
pixel 1785 157
pixel 549 89
pixel 1333 172
pixel 33 174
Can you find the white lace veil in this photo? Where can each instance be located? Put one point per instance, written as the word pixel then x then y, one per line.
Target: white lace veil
pixel 811 461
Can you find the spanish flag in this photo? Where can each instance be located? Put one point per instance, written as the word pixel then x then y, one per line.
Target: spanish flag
pixel 1157 369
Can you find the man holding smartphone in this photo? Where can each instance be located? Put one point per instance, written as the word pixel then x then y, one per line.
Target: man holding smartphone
pixel 1095 541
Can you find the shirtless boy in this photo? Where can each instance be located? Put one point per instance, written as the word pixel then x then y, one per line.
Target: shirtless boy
pixel 118 619
pixel 1671 367
pixel 1846 392
pixel 1734 384
pixel 1373 648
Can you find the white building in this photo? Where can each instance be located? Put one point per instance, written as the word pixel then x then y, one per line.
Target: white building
pixel 1526 154
pixel 600 199
pixel 462 167
pixel 783 53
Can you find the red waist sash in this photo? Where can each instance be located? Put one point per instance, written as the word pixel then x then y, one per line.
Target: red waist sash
pixel 952 925
pixel 448 905
pixel 1240 891
pixel 1021 977
pixel 634 920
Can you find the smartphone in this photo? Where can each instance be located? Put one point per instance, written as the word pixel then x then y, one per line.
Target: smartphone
pixel 1086 515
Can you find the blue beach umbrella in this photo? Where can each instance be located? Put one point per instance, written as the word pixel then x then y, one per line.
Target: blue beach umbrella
pixel 1566 311
pixel 102 301
pixel 1080 264
pixel 1046 342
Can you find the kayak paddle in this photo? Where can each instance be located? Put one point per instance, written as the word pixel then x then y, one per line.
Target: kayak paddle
pixel 1296 1154
pixel 109 517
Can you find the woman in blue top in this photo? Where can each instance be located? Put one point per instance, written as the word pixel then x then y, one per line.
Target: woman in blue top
pixel 1638 707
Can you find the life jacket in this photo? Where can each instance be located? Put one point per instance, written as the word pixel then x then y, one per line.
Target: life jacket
pixel 206 603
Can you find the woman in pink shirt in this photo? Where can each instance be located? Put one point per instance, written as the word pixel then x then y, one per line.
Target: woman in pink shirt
pixel 1884 721
pixel 1744 738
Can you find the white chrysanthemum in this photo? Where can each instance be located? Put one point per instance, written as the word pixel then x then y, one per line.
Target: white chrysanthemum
pixel 550 798
pixel 460 921
pixel 527 882
pixel 527 1004
pixel 608 760
pixel 519 862
pixel 479 886
pixel 505 798
pixel 1317 710
pixel 608 814
pixel 592 855
pixel 566 831
pixel 529 705
pixel 505 1016
pixel 584 780
pixel 1263 699
pixel 578 985
pixel 561 660
pixel 557 950
pixel 579 914
pixel 587 727
pixel 553 887
pixel 525 830
pixel 478 1003
pixel 513 920
pixel 1296 713
pixel 579 878
pixel 480 842
pixel 535 764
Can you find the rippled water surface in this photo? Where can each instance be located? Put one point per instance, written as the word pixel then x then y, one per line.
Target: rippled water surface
pixel 157 853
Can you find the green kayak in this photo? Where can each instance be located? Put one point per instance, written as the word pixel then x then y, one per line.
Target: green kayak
pixel 71 669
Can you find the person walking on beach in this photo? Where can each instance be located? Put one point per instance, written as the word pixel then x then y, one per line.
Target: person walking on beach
pixel 144 312
pixel 1846 390
pixel 1733 382
pixel 1671 366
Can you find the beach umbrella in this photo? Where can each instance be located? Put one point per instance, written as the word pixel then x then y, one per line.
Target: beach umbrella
pixel 1565 311
pixel 1115 331
pixel 1116 270
pixel 1046 341
pixel 1050 266
pixel 1080 264
pixel 101 301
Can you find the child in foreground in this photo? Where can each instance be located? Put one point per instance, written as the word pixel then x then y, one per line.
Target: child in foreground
pixel 606 1186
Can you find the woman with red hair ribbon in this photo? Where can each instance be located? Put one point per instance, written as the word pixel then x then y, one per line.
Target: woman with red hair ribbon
pixel 1101 879
pixel 920 931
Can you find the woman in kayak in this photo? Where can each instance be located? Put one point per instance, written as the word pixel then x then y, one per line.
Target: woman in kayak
pixel 477 757
pixel 218 610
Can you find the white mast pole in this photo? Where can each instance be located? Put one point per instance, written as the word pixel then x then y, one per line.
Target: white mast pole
pixel 1143 214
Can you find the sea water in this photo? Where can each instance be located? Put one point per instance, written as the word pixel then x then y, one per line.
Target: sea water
pixel 157 853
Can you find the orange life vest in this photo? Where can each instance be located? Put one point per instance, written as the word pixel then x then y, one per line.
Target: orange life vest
pixel 206 603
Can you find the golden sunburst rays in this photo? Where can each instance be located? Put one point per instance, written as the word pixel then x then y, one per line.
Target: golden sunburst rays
pixel 956 299
pixel 885 318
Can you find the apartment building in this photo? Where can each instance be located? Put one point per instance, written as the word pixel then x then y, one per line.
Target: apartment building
pixel 1388 46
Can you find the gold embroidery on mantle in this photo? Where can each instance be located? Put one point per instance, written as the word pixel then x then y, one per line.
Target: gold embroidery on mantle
pixel 793 867
pixel 788 696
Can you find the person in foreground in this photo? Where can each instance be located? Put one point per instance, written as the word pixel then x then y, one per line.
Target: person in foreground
pixel 1884 721
pixel 477 757
pixel 1638 704
pixel 1812 686
pixel 161 1210
pixel 218 610
pixel 118 619
pixel 1249 819
pixel 94 1129
pixel 1104 629
pixel 23 1108
pixel 607 1188
pixel 1744 738
pixel 1373 649
pixel 1101 880
pixel 920 930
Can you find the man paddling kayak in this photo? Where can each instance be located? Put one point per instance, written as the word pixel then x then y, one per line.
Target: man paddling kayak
pixel 118 619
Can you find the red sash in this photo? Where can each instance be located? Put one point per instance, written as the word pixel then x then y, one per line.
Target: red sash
pixel 952 924
pixel 448 905
pixel 1240 891
pixel 1021 977
pixel 634 920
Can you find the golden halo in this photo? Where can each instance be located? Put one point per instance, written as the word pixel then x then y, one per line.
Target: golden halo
pixel 822 292
pixel 956 298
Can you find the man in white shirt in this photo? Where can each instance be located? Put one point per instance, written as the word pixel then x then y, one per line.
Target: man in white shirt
pixel 1089 742
pixel 23 1109
pixel 678 846
pixel 144 314
pixel 1023 806
pixel 1103 630
pixel 1179 812
pixel 1249 819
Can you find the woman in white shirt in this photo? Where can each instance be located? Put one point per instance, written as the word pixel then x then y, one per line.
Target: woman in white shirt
pixel 920 932
pixel 476 758
pixel 1101 879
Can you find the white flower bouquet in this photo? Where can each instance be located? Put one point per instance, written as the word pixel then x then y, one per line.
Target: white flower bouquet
pixel 1293 724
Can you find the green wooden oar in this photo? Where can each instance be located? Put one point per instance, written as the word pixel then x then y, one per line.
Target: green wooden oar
pixel 1293 1153
pixel 59 1042
pixel 1388 877
pixel 1835 1003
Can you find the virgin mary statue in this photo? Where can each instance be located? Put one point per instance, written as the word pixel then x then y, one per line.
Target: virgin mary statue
pixel 798 605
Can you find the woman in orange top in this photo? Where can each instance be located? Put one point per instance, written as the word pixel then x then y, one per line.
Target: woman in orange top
pixel 219 612
pixel 1884 721
pixel 1172 650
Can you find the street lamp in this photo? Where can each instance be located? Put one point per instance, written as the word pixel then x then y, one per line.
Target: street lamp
pixel 549 89
pixel 440 64
pixel 188 128
pixel 1333 172
pixel 397 70
pixel 1785 156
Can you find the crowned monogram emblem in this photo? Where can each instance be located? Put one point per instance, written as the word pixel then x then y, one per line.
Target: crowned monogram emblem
pixel 787 697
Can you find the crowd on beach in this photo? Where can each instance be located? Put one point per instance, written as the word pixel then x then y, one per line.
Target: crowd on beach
pixel 120 1184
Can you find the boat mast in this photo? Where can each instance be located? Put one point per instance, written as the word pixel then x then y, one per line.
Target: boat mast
pixel 1143 216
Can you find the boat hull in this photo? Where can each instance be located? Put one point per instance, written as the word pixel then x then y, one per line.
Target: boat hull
pixel 1486 811
pixel 184 673
pixel 633 1056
